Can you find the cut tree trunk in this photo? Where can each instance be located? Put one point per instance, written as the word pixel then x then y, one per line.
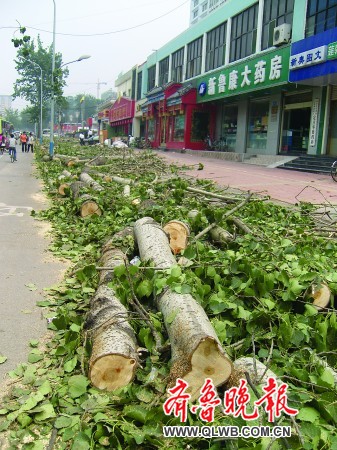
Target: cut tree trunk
pixel 257 371
pixel 89 181
pixel 220 236
pixel 89 206
pixel 195 349
pixel 114 357
pixel 178 233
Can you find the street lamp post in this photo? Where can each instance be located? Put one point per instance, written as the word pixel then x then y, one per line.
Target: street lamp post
pixel 41 96
pixel 51 142
pixel 52 103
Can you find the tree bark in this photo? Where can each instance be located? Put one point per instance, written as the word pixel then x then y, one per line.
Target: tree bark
pixel 258 372
pixel 220 236
pixel 89 181
pixel 195 349
pixel 114 357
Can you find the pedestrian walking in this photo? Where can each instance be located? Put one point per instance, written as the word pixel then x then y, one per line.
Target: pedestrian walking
pixel 81 138
pixel 12 146
pixel 31 141
pixel 23 140
pixel 2 143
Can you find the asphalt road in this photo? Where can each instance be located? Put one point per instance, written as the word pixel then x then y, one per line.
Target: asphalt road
pixel 23 260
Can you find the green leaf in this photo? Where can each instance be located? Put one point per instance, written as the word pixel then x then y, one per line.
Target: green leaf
pixel 175 272
pixel 35 356
pixel 308 414
pixel 144 289
pixel 3 359
pixel 211 272
pixel 62 422
pixel 45 388
pixel 77 385
pixel 81 442
pixel 44 412
pixel 119 271
pixel 136 412
pixel 170 318
pixel 34 343
pixel 70 365
pixel 327 378
pixel 310 310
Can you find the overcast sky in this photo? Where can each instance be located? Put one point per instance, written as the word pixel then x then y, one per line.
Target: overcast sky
pixel 111 53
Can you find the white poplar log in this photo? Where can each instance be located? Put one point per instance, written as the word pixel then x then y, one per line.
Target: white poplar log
pixel 114 357
pixel 196 352
pixel 258 372
pixel 88 180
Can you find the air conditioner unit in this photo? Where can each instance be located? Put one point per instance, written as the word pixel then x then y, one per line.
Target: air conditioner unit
pixel 282 34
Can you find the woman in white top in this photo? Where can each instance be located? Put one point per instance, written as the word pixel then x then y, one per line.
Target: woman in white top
pixel 12 146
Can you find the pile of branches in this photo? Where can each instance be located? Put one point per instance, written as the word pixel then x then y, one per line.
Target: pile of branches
pixel 174 279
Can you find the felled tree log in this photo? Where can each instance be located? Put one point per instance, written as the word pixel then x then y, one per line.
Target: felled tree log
pixel 220 236
pixel 178 233
pixel 195 348
pixel 89 181
pixel 321 294
pixel 88 206
pixel 257 371
pixel 114 357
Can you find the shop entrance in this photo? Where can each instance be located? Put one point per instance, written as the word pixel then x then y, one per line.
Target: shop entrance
pixel 296 123
pixel 332 139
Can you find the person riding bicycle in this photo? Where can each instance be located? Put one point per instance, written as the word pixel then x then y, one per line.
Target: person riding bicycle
pixel 12 146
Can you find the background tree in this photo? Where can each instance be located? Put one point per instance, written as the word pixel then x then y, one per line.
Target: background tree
pixel 20 120
pixel 28 85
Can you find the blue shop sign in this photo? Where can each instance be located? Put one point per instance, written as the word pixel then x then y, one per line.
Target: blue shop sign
pixel 312 57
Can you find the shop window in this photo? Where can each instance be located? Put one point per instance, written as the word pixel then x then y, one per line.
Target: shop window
pixel 177 65
pixel 150 129
pixel 243 34
pixel 163 71
pixel 215 47
pixel 139 85
pixel 321 16
pixel 179 128
pixel 258 125
pixel 229 126
pixel 151 78
pixel 200 126
pixel 194 54
pixel 275 14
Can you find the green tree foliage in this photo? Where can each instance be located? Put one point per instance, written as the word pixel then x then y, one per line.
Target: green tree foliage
pixel 73 110
pixel 19 119
pixel 30 58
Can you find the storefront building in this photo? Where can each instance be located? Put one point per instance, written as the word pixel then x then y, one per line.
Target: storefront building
pixel 313 63
pixel 248 101
pixel 173 118
pixel 121 117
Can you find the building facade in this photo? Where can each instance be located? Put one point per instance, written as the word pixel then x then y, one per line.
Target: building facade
pixel 258 75
pixel 5 103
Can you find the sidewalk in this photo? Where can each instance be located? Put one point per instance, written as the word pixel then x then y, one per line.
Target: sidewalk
pixel 23 260
pixel 281 185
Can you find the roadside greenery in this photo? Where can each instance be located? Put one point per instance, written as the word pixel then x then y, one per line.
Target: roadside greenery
pixel 255 291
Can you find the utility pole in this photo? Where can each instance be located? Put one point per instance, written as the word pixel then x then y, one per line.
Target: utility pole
pixel 99 85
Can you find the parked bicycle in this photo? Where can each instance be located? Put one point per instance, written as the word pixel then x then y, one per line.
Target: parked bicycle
pixel 333 171
pixel 216 145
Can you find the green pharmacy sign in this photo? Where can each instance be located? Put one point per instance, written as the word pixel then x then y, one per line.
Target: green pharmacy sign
pixel 332 50
pixel 267 70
